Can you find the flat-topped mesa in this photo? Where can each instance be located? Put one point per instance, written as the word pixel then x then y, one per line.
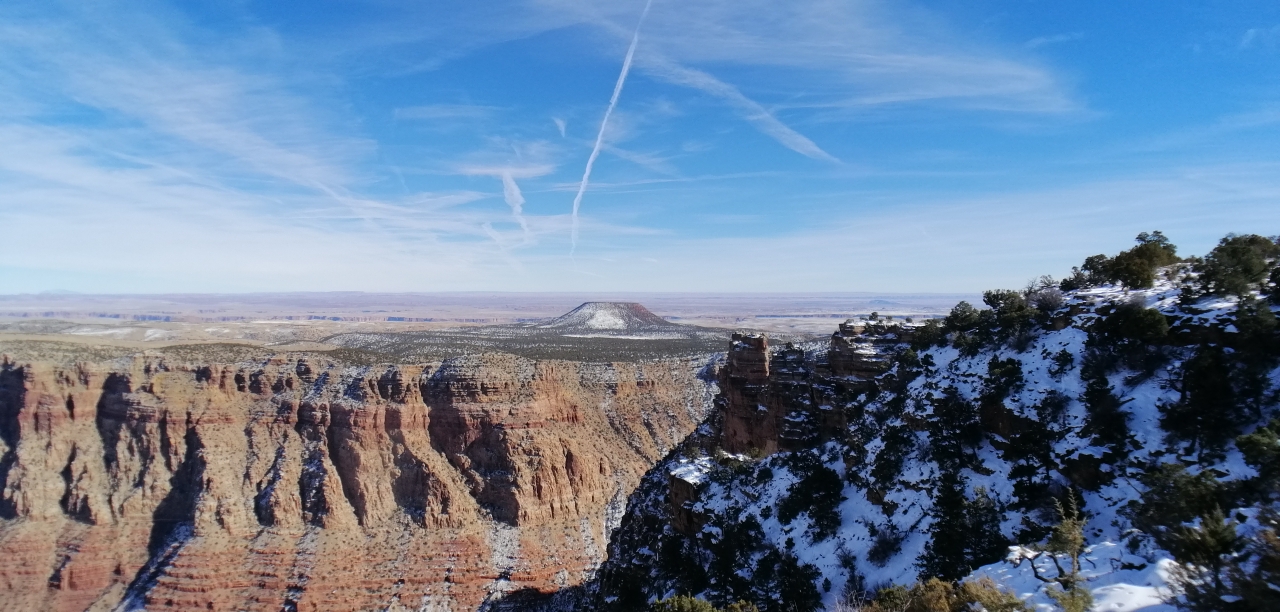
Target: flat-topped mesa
pixel 611 316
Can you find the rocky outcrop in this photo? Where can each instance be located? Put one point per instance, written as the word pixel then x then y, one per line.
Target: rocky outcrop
pixel 783 399
pixel 303 484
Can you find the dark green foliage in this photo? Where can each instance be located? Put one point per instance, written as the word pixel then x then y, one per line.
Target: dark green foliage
pixel 1095 268
pixel 1219 571
pixel 1256 329
pixel 969 344
pixel 986 542
pixel 1222 390
pixel 909 360
pixel 1257 354
pixel 965 532
pixel 738 541
pixel 945 554
pixel 1204 548
pixel 1134 268
pixel 929 335
pixel 963 318
pixel 764 474
pixel 1092 272
pixel 785 584
pixel 1003 376
pixel 1067 537
pixel 676 558
pixel 818 492
pixel 962 325
pixel 1053 409
pixel 955 431
pixel 1031 452
pixel 1238 265
pixel 1003 300
pixel 1208 412
pixel 1272 288
pixel 899 441
pixel 1011 318
pixel 1132 335
pixel 1173 497
pixel 1254 585
pixel 1261 450
pixel 1131 271
pixel 1133 324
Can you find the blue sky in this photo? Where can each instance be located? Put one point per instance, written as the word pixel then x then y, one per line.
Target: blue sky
pixel 808 145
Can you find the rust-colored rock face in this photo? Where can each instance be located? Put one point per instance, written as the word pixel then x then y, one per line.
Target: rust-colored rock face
pixel 771 400
pixel 748 422
pixel 305 485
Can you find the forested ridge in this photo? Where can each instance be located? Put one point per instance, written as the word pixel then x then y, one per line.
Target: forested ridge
pixel 1107 440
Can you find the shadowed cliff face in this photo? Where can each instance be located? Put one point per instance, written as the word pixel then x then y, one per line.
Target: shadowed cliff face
pixel 304 485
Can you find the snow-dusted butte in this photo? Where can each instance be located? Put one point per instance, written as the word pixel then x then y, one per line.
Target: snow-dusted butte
pixel 611 316
pixel 620 320
pixel 957 450
pixel 594 331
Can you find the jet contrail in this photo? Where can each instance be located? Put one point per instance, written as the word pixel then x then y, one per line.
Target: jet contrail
pixel 511 193
pixel 613 101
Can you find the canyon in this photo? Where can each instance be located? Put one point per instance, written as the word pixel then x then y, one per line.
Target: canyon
pixel 313 481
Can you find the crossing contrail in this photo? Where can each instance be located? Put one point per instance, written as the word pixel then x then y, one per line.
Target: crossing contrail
pixel 613 101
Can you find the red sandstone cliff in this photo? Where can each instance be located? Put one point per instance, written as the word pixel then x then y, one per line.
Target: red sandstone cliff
pixel 771 399
pixel 307 485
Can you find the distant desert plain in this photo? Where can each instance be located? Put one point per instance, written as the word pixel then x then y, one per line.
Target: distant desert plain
pixel 306 321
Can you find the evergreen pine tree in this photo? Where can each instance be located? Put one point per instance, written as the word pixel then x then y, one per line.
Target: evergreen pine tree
pixel 1208 413
pixel 1108 425
pixel 1203 551
pixel 986 543
pixel 965 533
pixel 956 431
pixel 946 555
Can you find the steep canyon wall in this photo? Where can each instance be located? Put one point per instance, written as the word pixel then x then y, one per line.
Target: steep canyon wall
pixel 303 484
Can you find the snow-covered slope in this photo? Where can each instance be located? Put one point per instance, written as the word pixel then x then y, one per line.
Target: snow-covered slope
pixel 992 432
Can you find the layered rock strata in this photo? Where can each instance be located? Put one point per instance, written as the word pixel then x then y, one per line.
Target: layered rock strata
pixel 306 485
pixel 782 399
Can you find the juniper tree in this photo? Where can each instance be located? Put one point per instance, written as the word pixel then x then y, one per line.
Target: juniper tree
pixel 1238 265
